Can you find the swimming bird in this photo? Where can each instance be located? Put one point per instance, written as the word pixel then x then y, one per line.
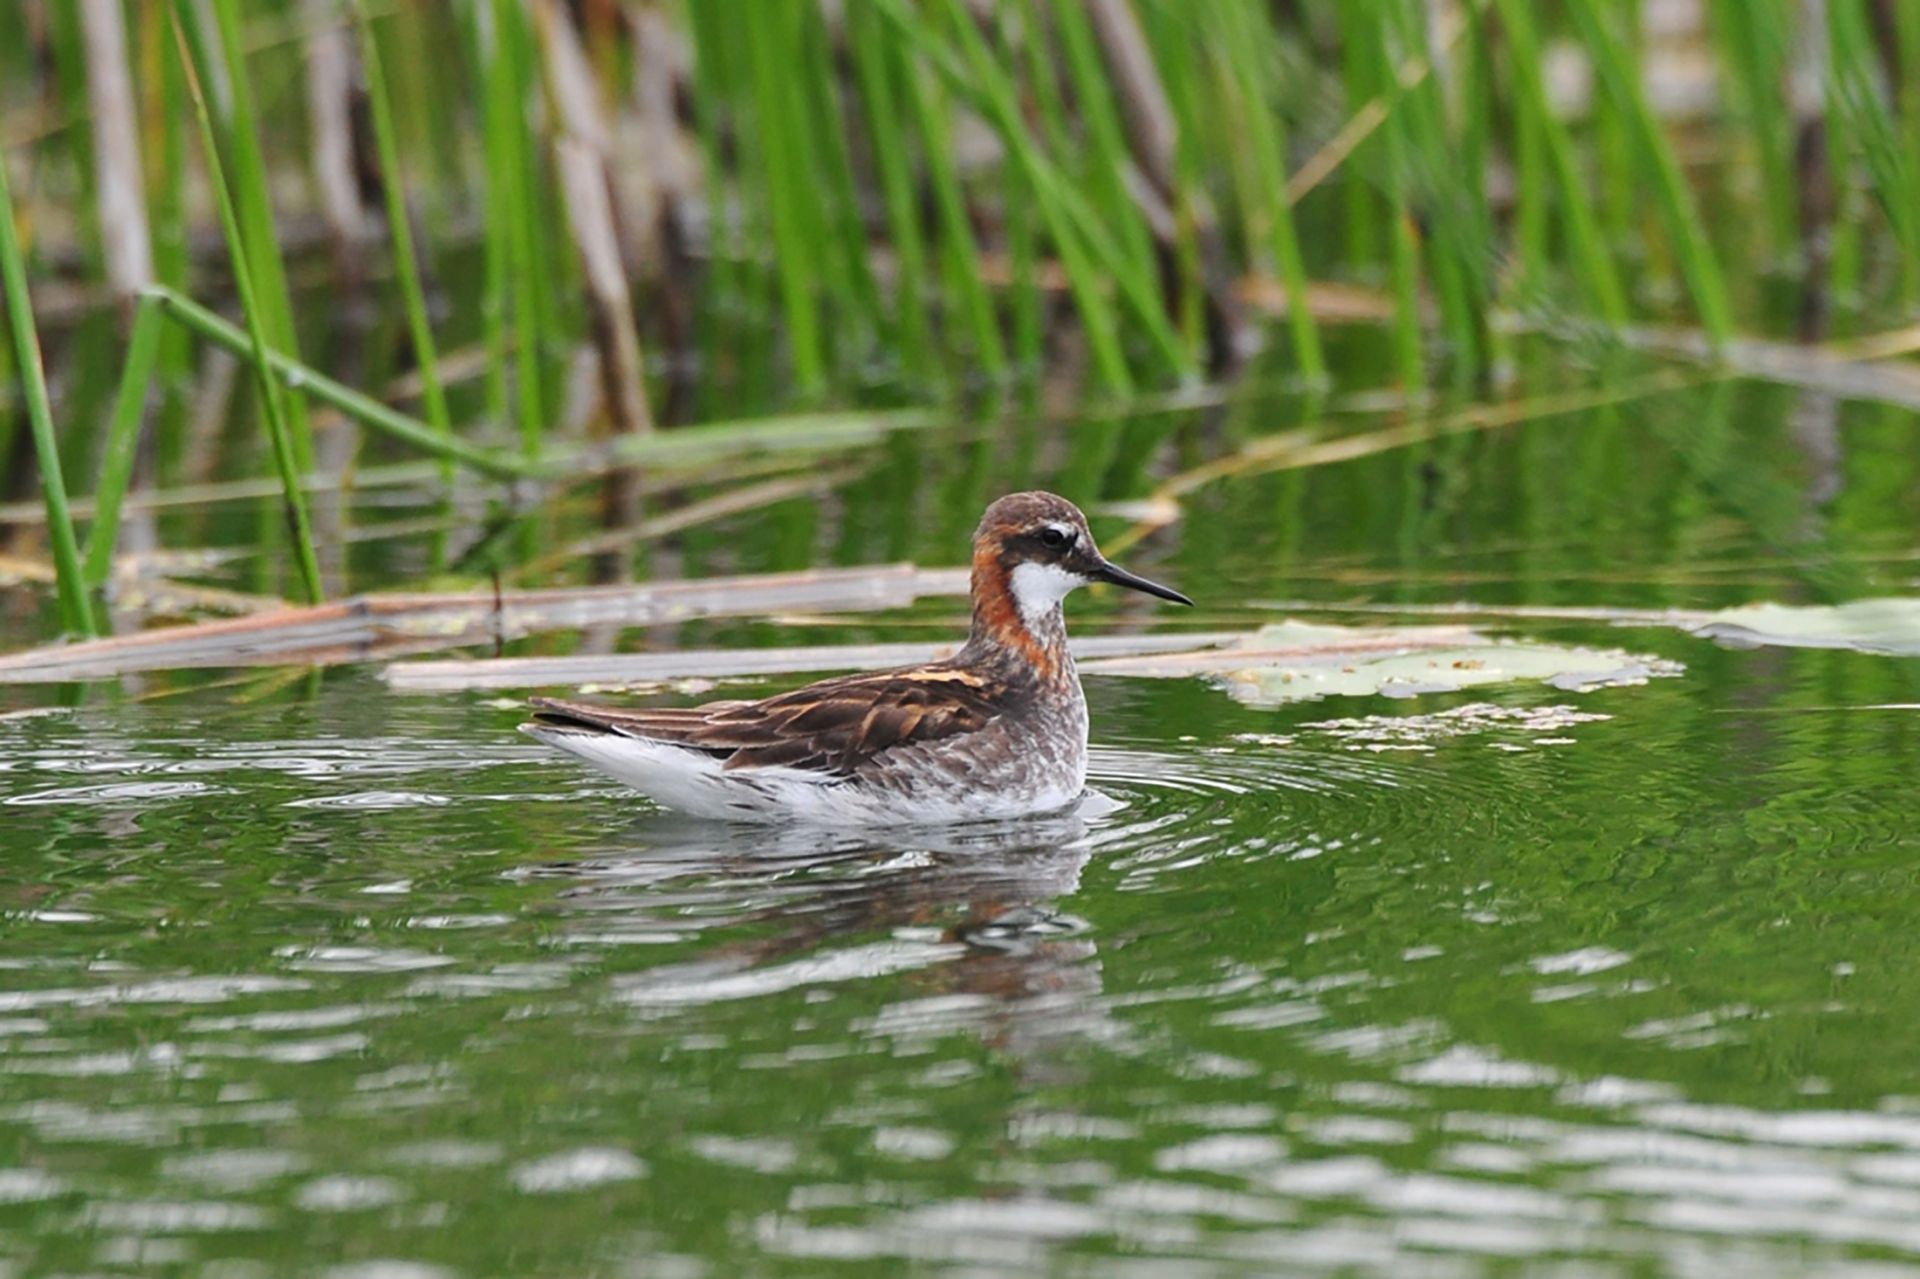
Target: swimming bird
pixel 998 730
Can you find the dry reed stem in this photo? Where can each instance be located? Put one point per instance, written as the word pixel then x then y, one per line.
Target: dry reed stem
pixel 1322 163
pixel 124 239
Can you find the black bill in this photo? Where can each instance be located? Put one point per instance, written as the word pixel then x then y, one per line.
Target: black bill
pixel 1110 572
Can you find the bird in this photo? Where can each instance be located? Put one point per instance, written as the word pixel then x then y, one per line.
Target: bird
pixel 997 731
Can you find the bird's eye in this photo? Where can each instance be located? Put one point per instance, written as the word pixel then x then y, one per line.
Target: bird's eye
pixel 1055 539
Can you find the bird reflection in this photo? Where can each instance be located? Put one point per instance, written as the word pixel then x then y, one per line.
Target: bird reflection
pixel 970 917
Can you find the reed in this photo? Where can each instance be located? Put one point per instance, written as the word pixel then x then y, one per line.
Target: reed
pixel 362 408
pixel 1872 119
pixel 1620 78
pixel 772 43
pixel 514 262
pixel 433 396
pixel 1753 39
pixel 234 124
pixel 893 167
pixel 923 199
pixel 960 255
pixel 76 611
pixel 1591 261
pixel 123 437
pixel 1239 33
pixel 286 457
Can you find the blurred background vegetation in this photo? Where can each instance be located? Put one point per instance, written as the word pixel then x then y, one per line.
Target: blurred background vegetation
pixel 561 278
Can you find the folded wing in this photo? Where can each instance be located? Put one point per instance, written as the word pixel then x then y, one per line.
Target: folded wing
pixel 833 727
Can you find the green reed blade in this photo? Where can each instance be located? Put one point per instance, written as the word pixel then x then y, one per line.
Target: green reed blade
pixel 496 251
pixel 1754 39
pixel 839 197
pixel 711 101
pixel 1590 257
pixel 1096 311
pixel 888 141
pixel 1842 219
pixel 1674 200
pixel 1022 231
pixel 1853 91
pixel 364 409
pixel 1612 133
pixel 238 132
pixel 76 612
pixel 1364 214
pixel 771 50
pixel 1093 92
pixel 1463 251
pixel 1021 29
pixel 68 48
pixel 510 199
pixel 1088 252
pixel 164 147
pixel 1478 105
pixel 1180 66
pixel 1533 180
pixel 433 396
pixel 123 437
pixel 284 456
pixel 430 97
pixel 1403 238
pixel 1239 31
pixel 927 102
pixel 1906 19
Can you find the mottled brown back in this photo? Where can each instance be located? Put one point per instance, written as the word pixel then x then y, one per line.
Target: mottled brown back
pixel 833 727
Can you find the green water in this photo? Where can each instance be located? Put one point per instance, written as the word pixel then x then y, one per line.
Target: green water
pixel 308 977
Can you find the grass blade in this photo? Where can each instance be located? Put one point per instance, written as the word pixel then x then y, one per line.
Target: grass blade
pixel 76 611
pixel 364 409
pixel 240 135
pixel 1622 82
pixel 433 397
pixel 1590 257
pixel 1267 141
pixel 123 434
pixel 773 44
pixel 285 458
pixel 888 141
pixel 510 200
pixel 928 105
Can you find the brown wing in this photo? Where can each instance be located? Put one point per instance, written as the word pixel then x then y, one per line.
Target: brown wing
pixel 834 726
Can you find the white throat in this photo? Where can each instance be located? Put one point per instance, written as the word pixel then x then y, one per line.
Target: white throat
pixel 1039 588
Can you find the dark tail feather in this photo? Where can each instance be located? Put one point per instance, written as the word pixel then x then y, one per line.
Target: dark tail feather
pixel 551 713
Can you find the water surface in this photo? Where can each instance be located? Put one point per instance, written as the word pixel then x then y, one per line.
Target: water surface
pixel 307 977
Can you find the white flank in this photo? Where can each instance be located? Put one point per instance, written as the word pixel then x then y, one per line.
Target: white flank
pixel 1039 588
pixel 694 782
